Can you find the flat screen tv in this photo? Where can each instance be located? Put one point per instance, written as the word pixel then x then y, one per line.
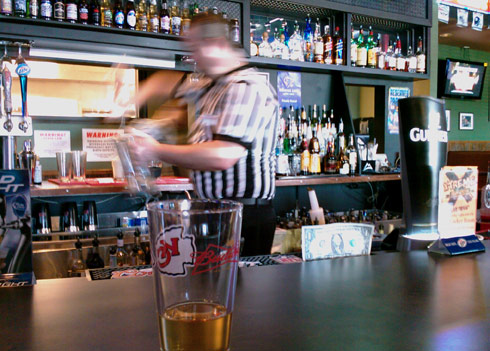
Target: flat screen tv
pixel 461 79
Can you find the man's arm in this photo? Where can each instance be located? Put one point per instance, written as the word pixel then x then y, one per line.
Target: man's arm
pixel 216 155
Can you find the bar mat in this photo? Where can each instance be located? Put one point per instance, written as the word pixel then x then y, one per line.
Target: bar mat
pixel 269 260
pixel 91 182
pixel 172 180
pixel 117 272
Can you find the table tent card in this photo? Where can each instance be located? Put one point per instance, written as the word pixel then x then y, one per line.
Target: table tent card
pixel 458 193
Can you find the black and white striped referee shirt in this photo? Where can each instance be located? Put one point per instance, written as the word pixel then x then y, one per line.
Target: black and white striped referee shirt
pixel 240 107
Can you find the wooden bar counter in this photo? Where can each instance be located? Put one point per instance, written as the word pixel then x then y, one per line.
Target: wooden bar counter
pixel 388 301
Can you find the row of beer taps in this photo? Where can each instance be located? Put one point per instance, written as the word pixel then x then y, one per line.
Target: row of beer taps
pixel 22 70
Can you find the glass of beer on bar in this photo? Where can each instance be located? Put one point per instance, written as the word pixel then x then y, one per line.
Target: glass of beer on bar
pixel 195 248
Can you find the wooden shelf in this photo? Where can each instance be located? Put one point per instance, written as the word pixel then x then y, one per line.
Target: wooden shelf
pixel 264 62
pixel 319 180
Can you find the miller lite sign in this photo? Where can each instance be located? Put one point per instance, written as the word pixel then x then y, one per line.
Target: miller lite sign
pixel 174 250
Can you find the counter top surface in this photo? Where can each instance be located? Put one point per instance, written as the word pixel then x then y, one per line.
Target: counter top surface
pixel 392 301
pixel 50 189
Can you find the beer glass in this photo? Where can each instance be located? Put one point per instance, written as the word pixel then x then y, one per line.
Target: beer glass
pixel 195 247
pixel 423 146
pixel 65 166
pixel 79 162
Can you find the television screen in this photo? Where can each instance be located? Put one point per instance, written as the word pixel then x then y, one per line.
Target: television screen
pixel 461 79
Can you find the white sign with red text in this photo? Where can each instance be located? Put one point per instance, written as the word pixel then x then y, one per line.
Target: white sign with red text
pixel 99 144
pixel 48 142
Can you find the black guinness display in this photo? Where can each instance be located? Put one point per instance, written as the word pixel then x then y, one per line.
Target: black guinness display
pixel 423 145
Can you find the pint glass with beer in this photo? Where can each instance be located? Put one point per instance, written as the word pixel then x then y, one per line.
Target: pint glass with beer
pixel 195 249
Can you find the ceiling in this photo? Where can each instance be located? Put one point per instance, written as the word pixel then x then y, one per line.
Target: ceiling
pixel 450 34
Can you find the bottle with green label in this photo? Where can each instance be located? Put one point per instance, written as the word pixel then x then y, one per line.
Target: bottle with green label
pixel 106 18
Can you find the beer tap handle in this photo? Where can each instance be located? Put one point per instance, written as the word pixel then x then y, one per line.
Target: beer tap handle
pixel 7 91
pixel 23 71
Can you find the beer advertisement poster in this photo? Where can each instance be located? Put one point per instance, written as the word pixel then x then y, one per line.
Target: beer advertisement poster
pixel 289 89
pixel 458 192
pixel 15 229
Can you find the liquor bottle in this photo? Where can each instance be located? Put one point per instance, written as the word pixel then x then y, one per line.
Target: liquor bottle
pixel 46 10
pixel 390 61
pixel 59 10
pixel 95 13
pixel 285 30
pixel 420 55
pixel 77 267
pixel 20 8
pixel 318 43
pixel 338 44
pixel 309 128
pixel 305 157
pixel 6 7
pixel 112 257
pixel 285 54
pixel 38 173
pixel 341 136
pixel 330 162
pixel 296 44
pixel 361 50
pixel 154 19
pixel 411 61
pixel 276 45
pixel 121 254
pixel 327 46
pixel 175 17
pixel 137 255
pixel 118 14
pixel 226 33
pixel 34 9
pixel 308 40
pixel 400 59
pixel 130 15
pixel 83 11
pixel 380 54
pixel 353 48
pixel 371 49
pixel 94 260
pixel 142 16
pixel 342 163
pixel 254 49
pixel 265 49
pixel 164 18
pixel 315 159
pixel 106 14
pixel 485 199
pixel 186 20
pixel 351 155
pixel 71 11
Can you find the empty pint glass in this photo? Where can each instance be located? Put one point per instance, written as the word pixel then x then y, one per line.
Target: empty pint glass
pixel 195 247
pixel 423 145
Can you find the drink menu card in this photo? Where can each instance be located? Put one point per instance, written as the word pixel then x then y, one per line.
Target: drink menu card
pixel 458 189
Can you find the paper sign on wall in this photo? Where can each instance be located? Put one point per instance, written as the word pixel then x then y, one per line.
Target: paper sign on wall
pixel 99 144
pixel 394 95
pixel 48 142
pixel 289 89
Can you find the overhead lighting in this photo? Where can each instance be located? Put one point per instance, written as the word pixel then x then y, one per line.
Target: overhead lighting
pixel 446 35
pixel 100 58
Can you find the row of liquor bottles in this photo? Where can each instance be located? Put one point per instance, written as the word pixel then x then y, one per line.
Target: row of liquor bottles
pixel 323 47
pixel 146 15
pixel 119 256
pixel 311 144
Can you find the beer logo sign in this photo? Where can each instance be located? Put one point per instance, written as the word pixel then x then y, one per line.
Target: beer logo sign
pixel 174 251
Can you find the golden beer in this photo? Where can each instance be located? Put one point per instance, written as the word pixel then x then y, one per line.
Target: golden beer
pixel 193 326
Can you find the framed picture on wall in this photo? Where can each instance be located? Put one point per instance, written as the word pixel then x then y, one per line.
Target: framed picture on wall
pixel 465 121
pixel 448 120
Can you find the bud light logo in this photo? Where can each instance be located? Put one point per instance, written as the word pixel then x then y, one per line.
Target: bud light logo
pixel 19 206
pixel 174 251
pixel 23 69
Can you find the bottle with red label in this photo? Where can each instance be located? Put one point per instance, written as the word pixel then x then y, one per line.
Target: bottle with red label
pixel 83 11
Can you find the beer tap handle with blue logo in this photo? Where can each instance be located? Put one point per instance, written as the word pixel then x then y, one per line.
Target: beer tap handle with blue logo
pixel 23 71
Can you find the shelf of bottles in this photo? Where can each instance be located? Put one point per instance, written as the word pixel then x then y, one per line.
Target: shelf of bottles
pixel 327 42
pixel 311 143
pixel 170 18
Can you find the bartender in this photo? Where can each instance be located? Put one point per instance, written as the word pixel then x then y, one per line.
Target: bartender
pixel 231 144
